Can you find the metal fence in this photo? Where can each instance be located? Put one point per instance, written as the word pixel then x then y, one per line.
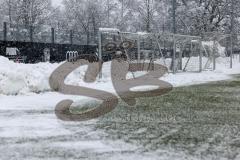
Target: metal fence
pixel 1 35
pixel 43 34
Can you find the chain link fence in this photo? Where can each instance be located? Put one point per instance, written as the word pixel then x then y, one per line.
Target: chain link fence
pixel 45 34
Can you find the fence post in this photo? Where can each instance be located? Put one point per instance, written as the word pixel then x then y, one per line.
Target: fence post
pixel 71 37
pixel 174 7
pixel 181 57
pixel 100 51
pixel 139 49
pixel 52 41
pixel 232 30
pixel 200 56
pixel 231 54
pixel 31 33
pixel 5 31
pixel 174 55
pixel 214 54
pixel 53 35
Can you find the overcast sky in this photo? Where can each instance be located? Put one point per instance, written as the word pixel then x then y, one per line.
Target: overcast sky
pixel 56 2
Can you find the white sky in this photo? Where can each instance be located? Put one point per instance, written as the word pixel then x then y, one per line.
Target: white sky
pixel 56 2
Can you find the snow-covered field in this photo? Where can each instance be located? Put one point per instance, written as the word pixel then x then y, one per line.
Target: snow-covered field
pixel 30 130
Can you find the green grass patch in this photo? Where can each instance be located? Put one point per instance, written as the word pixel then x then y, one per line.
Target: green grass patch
pixel 202 119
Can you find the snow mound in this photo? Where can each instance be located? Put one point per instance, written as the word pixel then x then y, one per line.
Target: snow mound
pixel 16 78
pixel 109 30
pixel 23 78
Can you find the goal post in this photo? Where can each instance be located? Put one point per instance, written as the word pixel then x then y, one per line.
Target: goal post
pixel 158 47
pixel 179 53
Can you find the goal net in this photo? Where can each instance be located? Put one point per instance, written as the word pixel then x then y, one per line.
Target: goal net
pixel 180 53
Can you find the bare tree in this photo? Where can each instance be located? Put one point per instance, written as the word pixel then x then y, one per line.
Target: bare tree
pixel 34 12
pixel 27 12
pixel 146 10
pixel 84 17
pixel 205 15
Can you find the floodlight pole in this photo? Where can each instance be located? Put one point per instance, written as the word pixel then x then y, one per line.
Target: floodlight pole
pixel 71 37
pixel 100 51
pixel 108 13
pixel 214 54
pixel 181 56
pixel 200 55
pixel 31 33
pixel 122 10
pixel 232 28
pixel 174 55
pixel 5 31
pixel 53 35
pixel 174 38
pixel 174 15
pixel 139 49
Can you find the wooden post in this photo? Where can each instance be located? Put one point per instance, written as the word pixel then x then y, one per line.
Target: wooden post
pixel 5 31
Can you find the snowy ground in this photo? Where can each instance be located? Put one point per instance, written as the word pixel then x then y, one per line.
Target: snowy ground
pixel 30 130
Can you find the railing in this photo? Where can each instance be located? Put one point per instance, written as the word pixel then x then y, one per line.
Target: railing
pixel 71 55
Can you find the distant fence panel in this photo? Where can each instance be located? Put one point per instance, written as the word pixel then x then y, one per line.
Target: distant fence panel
pixel 42 37
pixel 63 36
pixel 76 39
pixel 17 32
pixel 44 34
pixel 1 35
pixel 33 41
pixel 34 52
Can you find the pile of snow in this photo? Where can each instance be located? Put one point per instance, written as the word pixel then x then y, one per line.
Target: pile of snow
pixel 142 33
pixel 16 78
pixel 23 79
pixel 107 30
